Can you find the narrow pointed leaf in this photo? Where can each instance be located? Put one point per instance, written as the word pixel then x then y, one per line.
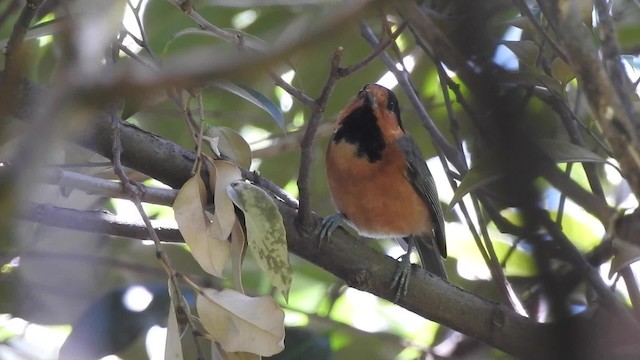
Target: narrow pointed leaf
pixel 255 98
pixel 481 174
pixel 564 151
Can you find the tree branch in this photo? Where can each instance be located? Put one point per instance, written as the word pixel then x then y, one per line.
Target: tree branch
pixel 100 221
pixel 92 185
pixel 306 156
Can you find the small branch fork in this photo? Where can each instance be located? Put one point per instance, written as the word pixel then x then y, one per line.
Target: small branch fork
pixel 306 145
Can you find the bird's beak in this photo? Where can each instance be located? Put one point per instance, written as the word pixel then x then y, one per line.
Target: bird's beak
pixel 369 99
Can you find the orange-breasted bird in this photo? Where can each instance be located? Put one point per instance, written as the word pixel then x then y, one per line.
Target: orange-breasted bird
pixel 380 183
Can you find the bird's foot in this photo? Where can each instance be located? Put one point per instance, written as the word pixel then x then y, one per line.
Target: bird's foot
pixel 401 277
pixel 329 224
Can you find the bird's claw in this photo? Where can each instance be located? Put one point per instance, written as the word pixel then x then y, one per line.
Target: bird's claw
pixel 329 225
pixel 401 277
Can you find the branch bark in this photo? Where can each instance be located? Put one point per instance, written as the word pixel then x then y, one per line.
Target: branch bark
pixel 100 221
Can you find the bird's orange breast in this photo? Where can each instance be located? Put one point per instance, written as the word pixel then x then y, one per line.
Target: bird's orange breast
pixel 376 197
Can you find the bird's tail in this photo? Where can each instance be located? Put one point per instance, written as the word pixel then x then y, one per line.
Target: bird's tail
pixel 430 257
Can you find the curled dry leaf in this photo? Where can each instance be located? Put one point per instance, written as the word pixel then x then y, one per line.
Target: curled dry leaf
pixel 229 144
pixel 241 323
pixel 222 174
pixel 210 252
pixel 265 233
pixel 238 250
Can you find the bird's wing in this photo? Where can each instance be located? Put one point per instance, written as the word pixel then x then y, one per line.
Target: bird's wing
pixel 420 177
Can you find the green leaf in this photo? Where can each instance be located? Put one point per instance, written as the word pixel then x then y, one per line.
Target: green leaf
pixel 561 71
pixel 526 50
pixel 564 151
pixel 530 78
pixel 230 145
pixel 484 171
pixel 481 174
pixel 255 98
pixel 265 233
pixel 627 34
pixel 522 22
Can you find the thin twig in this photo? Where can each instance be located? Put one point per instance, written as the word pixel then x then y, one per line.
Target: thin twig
pixel 289 141
pixel 306 145
pixel 98 221
pixel 137 57
pixel 454 125
pixel 563 198
pixel 97 186
pixel 632 288
pixel 346 71
pixel 206 25
pixel 134 191
pixel 293 91
pixel 270 187
pixel 144 43
pixel 494 265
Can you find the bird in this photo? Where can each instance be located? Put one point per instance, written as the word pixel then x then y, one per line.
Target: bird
pixel 380 183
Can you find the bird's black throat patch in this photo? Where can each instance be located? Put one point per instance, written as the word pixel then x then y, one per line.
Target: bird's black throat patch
pixel 361 129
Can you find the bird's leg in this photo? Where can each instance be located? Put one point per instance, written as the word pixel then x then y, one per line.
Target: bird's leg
pixel 401 276
pixel 329 224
